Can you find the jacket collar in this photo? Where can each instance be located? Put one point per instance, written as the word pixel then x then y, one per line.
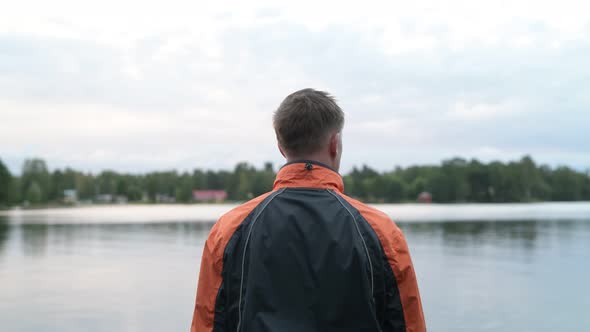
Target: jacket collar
pixel 308 174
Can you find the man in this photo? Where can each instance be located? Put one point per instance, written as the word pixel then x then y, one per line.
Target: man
pixel 306 257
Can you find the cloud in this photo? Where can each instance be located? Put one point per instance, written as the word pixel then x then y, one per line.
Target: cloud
pixel 178 86
pixel 461 111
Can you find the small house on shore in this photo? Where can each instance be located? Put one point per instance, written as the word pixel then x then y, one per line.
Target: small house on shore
pixel 424 197
pixel 70 196
pixel 209 195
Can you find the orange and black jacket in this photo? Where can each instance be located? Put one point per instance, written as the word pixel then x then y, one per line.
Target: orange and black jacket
pixel 306 257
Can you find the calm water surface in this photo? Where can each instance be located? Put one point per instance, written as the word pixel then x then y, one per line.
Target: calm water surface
pixel 84 275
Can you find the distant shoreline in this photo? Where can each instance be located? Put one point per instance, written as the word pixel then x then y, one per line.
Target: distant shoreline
pixel 453 180
pixel 83 205
pixel 209 213
pixel 69 206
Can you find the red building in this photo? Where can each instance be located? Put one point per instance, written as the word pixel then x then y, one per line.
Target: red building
pixel 209 195
pixel 424 197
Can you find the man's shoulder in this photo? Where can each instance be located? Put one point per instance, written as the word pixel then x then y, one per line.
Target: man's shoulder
pixel 368 210
pixel 227 224
pixel 243 210
pixel 379 220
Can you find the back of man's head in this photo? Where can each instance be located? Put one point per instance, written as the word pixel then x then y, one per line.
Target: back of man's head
pixel 305 121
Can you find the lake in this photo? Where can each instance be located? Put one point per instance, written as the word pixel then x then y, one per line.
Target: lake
pixel 481 267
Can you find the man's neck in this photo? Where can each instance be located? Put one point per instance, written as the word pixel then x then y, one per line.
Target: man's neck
pixel 317 158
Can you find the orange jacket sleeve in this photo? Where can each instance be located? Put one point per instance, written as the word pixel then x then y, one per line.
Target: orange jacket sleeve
pixel 398 256
pixel 210 277
pixel 208 285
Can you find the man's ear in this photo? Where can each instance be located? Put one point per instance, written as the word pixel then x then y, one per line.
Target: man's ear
pixel 281 150
pixel 334 145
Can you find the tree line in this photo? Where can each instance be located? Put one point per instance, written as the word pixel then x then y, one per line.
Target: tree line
pixel 454 180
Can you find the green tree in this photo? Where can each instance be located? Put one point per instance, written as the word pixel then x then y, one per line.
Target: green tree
pixel 567 184
pixel 417 186
pixel 184 190
pixel 242 181
pixel 451 184
pixel 454 180
pixel 86 186
pixel 391 188
pixel 6 185
pixel 60 181
pixel 35 171
pixel 263 180
pixel 34 194
pixel 198 179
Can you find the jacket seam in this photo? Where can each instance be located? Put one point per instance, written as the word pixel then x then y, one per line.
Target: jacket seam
pixel 280 191
pixel 360 234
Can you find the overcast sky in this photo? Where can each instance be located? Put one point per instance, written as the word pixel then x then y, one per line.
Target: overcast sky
pixel 139 86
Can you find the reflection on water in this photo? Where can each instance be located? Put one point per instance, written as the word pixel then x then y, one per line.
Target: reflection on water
pixel 99 277
pixel 514 234
pixel 36 238
pixel 474 276
pixel 468 234
pixel 503 276
pixel 4 229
